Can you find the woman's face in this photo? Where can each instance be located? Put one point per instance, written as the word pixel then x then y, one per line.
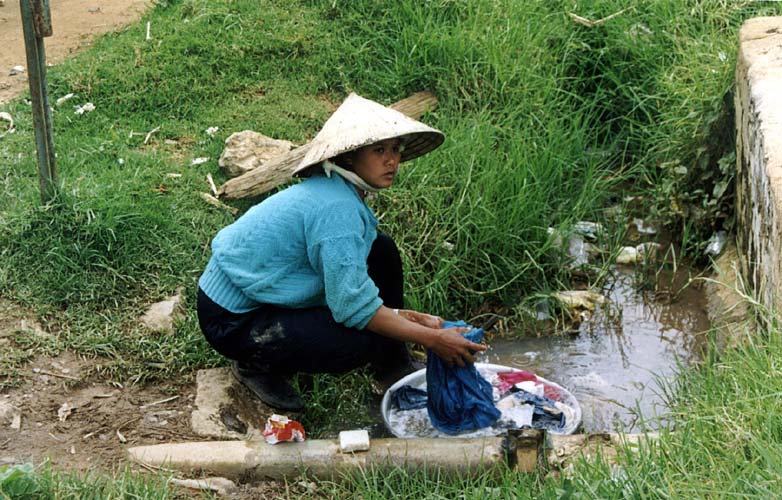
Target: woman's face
pixel 378 163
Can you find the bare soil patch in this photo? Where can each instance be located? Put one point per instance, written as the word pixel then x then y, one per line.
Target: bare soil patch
pixel 78 424
pixel 74 22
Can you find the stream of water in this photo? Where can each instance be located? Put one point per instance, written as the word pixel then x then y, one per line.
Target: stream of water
pixel 617 361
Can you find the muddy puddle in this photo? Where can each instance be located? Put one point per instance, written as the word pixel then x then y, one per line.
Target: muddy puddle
pixel 616 362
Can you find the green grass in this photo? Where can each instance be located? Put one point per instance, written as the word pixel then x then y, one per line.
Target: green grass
pixel 29 482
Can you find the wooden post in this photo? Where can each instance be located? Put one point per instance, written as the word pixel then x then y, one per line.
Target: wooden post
pixel 37 24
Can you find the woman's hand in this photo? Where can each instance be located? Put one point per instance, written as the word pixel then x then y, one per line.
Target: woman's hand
pixel 422 319
pixel 453 348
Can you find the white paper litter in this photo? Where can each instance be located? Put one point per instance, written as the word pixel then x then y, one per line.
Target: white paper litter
pixel 64 412
pixel 63 99
pixel 85 108
pixel 7 117
pixel 199 160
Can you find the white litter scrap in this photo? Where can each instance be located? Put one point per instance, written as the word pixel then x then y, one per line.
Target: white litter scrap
pixel 639 253
pixel 351 441
pixel 627 255
pixel 198 161
pixel 149 134
pixel 716 243
pixel 63 99
pixel 211 131
pixel 643 227
pixel 65 411
pixel 588 229
pixel 211 184
pixel 7 117
pixel 16 70
pixel 85 108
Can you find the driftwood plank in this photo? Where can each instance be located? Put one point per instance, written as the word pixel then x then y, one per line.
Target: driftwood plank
pixel 279 170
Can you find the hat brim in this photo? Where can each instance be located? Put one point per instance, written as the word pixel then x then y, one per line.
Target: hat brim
pixel 359 122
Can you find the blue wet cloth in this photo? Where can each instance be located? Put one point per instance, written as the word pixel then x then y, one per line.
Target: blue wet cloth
pixel 459 398
pixel 546 413
pixel 408 397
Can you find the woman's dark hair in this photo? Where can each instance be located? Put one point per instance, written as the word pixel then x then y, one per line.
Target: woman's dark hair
pixel 344 160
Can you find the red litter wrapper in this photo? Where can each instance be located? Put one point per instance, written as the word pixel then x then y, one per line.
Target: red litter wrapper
pixel 280 428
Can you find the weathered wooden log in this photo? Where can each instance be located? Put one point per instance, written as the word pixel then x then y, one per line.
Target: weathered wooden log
pixel 256 460
pixel 279 170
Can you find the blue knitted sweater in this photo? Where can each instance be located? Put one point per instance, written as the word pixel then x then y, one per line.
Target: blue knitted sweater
pixel 304 246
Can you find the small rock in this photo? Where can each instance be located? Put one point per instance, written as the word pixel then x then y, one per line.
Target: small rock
pixel 16 70
pixel 34 327
pixel 153 420
pixel 247 150
pixel 161 315
pixel 231 421
pixel 219 485
pixel 10 414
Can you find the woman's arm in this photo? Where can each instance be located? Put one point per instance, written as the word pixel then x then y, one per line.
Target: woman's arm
pixel 447 343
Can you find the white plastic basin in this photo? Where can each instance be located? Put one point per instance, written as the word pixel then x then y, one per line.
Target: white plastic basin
pixel 416 423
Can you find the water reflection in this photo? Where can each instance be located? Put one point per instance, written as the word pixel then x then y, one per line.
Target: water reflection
pixel 615 364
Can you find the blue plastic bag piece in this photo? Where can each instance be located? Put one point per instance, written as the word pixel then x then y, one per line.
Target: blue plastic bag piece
pixel 408 397
pixel 460 399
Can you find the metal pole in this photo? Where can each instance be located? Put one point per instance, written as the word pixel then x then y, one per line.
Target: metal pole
pixel 37 23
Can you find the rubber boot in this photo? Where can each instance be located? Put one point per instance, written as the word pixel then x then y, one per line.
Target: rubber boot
pixel 272 389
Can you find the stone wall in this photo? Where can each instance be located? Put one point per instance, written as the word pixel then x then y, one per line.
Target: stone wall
pixel 759 157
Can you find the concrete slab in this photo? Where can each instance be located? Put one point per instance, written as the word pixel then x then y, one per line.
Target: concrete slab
pixel 225 409
pixel 759 158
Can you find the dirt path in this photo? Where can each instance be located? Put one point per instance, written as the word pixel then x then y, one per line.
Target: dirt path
pixel 74 23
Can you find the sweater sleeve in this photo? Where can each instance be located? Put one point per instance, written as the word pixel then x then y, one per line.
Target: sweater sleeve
pixel 337 251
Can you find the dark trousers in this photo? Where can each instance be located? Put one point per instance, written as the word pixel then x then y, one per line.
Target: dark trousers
pixel 287 341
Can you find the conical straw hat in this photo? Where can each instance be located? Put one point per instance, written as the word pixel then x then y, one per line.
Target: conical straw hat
pixel 359 122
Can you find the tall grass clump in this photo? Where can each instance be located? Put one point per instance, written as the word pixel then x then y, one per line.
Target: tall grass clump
pixel 28 482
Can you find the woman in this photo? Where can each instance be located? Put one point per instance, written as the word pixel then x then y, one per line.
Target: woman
pixel 304 283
